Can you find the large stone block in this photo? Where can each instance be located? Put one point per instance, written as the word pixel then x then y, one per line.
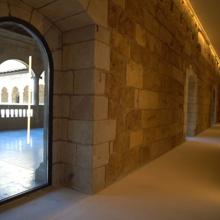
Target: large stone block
pixel 82 107
pixel 69 153
pixel 121 43
pixel 85 33
pixel 57 60
pixel 89 82
pixel 40 22
pixel 89 107
pixel 58 171
pixel 81 132
pixel 136 138
pixel 60 128
pixel 131 160
pixel 104 131
pixel 117 68
pixel 100 108
pixel 98 179
pixel 84 3
pixel 20 10
pixel 134 120
pixel 84 155
pixel 54 38
pixel 114 168
pixel 63 82
pixel 75 21
pixel 4 10
pixel 61 106
pixel 150 119
pixel 102 34
pixel 134 75
pixel 57 151
pixel 149 136
pixel 37 4
pixel 121 142
pixel 79 56
pixel 92 155
pixel 100 155
pixel 148 100
pixel 61 8
pixel 120 3
pixel 98 10
pixel 140 35
pixel 82 180
pixel 102 56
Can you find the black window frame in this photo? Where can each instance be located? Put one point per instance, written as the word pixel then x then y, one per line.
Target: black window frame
pixel 30 28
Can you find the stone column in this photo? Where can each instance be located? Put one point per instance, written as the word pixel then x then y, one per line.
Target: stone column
pixel 21 96
pixel 41 173
pixel 10 96
pixel 36 90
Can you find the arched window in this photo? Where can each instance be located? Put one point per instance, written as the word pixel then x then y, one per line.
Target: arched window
pixel 4 95
pixel 15 95
pixel 25 126
pixel 25 95
pixel 12 65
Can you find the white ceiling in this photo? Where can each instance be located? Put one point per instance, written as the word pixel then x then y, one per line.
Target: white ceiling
pixel 208 12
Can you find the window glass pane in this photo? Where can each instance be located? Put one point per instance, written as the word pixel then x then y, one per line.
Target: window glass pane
pixel 24 111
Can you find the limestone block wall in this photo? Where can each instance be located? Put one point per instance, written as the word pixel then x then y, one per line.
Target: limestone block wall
pixel 78 38
pixel 120 70
pixel 153 44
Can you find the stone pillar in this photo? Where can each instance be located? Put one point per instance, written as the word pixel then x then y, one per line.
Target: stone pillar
pixel 41 173
pixel 10 96
pixel 36 90
pixel 21 96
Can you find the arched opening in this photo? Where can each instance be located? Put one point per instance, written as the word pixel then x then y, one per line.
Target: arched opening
pixel 59 34
pixel 4 95
pixel 25 95
pixel 12 65
pixel 213 107
pixel 191 88
pixel 14 73
pixel 15 95
pixel 24 124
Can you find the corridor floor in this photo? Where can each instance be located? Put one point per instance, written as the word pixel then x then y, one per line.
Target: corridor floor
pixel 19 160
pixel 184 184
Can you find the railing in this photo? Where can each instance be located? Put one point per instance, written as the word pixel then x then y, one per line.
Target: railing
pixel 15 116
pixel 16 113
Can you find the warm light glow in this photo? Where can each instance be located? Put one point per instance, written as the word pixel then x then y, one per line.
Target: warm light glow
pixel 202 30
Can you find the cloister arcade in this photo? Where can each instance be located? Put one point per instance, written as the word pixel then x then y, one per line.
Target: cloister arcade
pixel 14 87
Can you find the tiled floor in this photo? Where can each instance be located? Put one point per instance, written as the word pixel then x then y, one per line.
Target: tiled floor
pixel 18 161
pixel 183 184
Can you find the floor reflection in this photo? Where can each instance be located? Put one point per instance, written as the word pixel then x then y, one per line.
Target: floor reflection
pixel 18 161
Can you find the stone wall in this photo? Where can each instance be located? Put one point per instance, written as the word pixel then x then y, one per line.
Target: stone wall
pixel 77 35
pixel 120 69
pixel 153 43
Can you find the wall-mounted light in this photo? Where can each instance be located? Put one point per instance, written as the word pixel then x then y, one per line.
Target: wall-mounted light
pixel 202 31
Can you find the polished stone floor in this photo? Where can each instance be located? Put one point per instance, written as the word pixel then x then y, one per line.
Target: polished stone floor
pixel 18 161
pixel 183 184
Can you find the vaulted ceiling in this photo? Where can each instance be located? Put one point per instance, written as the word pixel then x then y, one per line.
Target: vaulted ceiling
pixel 208 12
